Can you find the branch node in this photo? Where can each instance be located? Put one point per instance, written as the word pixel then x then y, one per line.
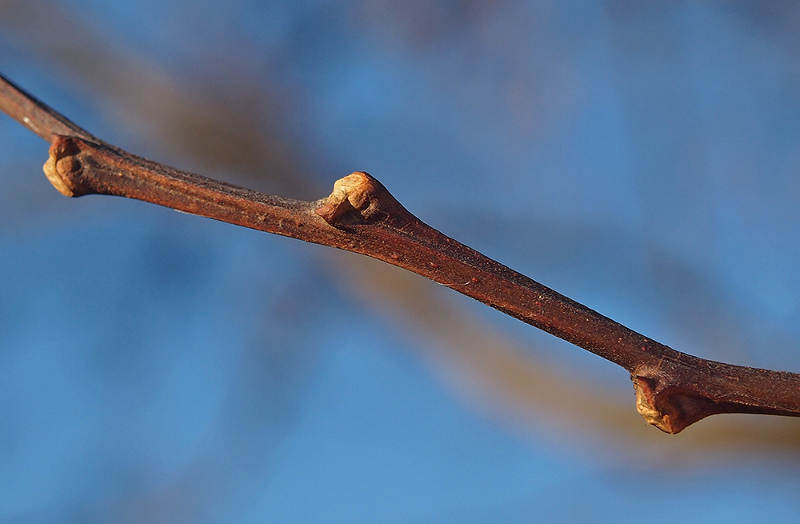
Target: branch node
pixel 63 168
pixel 359 198
pixel 668 407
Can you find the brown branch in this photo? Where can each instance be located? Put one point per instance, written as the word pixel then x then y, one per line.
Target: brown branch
pixel 673 389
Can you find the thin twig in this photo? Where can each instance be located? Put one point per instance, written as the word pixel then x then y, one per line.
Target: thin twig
pixel 673 389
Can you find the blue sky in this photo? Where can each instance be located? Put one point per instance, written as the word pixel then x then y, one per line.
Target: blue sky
pixel 157 366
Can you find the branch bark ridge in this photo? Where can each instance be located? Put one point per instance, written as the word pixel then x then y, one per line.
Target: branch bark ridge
pixel 673 389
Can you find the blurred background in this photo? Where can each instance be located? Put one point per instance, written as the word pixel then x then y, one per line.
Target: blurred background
pixel 159 367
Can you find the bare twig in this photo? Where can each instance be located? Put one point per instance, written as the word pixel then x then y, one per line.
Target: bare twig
pixel 673 389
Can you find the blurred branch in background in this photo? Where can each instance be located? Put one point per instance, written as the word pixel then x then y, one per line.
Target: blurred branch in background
pixel 510 377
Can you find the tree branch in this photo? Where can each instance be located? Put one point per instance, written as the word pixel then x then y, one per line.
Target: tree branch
pixel 673 389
